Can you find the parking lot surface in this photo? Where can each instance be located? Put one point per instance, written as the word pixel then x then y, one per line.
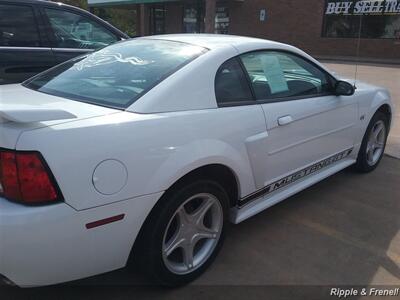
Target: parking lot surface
pixel 343 231
pixel 382 75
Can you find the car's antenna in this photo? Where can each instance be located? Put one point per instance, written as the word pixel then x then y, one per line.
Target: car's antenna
pixel 358 49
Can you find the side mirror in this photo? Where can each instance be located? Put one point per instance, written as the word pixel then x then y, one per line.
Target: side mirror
pixel 343 88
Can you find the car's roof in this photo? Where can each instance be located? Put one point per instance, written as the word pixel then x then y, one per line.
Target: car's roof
pixel 48 3
pixel 192 87
pixel 212 41
pixel 39 2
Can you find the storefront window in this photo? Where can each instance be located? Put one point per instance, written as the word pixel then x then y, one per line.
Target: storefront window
pixel 222 19
pixel 194 13
pixel 193 17
pixel 379 19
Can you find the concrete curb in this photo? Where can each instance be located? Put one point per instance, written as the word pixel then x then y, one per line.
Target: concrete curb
pixel 391 156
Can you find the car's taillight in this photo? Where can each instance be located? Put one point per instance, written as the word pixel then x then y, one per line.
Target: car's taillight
pixel 8 176
pixel 25 178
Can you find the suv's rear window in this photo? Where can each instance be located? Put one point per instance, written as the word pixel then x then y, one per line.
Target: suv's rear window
pixel 118 75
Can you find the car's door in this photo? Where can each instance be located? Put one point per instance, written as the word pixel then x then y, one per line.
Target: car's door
pixel 306 122
pixel 72 34
pixel 24 50
pixel 239 109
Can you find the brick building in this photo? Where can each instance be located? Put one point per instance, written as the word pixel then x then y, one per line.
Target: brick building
pixel 325 28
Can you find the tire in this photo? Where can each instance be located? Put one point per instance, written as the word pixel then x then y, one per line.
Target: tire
pixel 367 162
pixel 164 227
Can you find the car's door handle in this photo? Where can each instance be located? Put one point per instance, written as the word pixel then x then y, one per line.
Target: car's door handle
pixel 285 120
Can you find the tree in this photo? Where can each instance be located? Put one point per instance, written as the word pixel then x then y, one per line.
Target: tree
pixel 79 3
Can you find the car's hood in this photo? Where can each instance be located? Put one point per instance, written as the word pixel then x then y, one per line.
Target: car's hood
pixel 23 109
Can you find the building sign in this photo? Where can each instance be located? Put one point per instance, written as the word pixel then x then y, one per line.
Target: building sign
pixel 382 7
pixel 378 19
pixel 263 15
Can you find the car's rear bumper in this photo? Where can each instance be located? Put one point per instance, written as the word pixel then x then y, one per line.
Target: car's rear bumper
pixel 51 244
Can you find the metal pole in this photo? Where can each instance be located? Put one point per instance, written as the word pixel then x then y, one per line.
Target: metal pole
pixel 358 49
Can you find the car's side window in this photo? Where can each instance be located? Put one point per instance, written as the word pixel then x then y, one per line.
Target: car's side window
pixel 231 85
pixel 18 26
pixel 276 75
pixel 75 31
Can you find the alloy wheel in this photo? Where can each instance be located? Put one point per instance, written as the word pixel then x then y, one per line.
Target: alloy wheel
pixel 376 142
pixel 192 233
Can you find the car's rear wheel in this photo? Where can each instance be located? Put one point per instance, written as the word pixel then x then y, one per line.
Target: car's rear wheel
pixel 184 233
pixel 373 144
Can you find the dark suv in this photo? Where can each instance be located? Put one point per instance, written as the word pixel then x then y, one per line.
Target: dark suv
pixel 36 35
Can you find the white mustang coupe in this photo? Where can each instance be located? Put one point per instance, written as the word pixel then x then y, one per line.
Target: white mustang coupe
pixel 147 149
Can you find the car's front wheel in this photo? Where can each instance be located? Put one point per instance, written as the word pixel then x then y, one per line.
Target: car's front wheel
pixel 184 233
pixel 373 144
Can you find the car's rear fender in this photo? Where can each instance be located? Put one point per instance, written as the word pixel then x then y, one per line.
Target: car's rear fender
pixel 155 150
pixel 202 153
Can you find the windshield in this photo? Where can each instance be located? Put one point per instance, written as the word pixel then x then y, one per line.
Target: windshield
pixel 117 75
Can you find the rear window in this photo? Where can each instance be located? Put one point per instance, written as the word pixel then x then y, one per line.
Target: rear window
pixel 118 75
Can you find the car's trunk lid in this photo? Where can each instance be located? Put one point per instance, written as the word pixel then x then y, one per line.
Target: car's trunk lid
pixel 23 109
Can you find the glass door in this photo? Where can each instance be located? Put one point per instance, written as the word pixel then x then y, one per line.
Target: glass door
pixel 157 19
pixel 193 17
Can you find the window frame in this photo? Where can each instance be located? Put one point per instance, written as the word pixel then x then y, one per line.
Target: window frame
pixel 37 19
pixel 247 82
pixel 50 32
pixel 330 78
